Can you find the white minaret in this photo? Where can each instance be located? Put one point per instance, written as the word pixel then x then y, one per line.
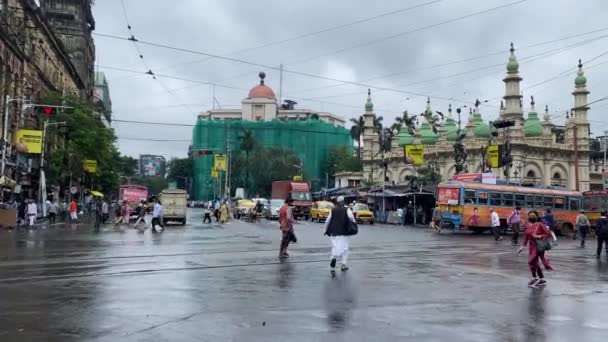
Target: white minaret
pixel 513 109
pixel 370 141
pixel 581 128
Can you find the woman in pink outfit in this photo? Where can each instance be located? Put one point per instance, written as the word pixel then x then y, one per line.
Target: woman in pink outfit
pixel 533 231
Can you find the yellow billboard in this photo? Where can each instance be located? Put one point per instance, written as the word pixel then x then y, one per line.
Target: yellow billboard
pixel 90 165
pixel 492 156
pixel 220 162
pixel 214 173
pixel 414 154
pixel 28 141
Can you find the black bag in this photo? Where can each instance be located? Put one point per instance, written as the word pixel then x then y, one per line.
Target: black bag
pixel 292 237
pixel 352 228
pixel 542 245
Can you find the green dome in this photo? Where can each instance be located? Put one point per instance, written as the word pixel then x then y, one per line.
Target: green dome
pixel 532 126
pixel 482 130
pixel 369 105
pixel 580 80
pixel 451 130
pixel 405 138
pixel 512 65
pixel 427 136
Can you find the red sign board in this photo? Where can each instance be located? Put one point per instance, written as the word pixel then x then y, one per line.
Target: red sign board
pixel 467 177
pixel 447 195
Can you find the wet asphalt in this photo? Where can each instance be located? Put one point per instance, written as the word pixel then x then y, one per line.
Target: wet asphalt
pixel 204 282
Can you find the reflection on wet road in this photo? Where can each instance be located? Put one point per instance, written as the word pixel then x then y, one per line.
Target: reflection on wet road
pixel 225 283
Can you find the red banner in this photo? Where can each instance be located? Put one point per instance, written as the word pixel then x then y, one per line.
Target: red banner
pixel 467 177
pixel 448 195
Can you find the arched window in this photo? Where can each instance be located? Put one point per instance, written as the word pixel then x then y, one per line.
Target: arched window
pixel 557 175
pixel 531 174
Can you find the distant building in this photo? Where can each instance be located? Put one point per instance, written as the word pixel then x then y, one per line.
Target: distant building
pixel 152 165
pixel 102 98
pixel 73 23
pixel 261 105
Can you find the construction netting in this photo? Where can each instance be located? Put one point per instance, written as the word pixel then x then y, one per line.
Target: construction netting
pixel 309 139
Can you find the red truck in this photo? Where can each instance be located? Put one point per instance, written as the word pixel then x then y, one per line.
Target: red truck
pixel 299 192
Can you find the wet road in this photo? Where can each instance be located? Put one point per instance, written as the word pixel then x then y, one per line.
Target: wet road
pixel 225 283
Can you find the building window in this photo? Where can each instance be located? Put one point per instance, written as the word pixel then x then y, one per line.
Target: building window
pixel 531 174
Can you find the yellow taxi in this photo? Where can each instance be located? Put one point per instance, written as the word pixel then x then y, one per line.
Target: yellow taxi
pixel 320 210
pixel 362 213
pixel 243 207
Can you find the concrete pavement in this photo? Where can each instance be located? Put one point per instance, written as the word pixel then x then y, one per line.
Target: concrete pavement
pixel 225 283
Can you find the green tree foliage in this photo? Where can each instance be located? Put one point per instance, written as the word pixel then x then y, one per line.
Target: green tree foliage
pixel 261 167
pixel 340 159
pixel 180 168
pixel 82 137
pixel 356 131
pixel 154 184
pixel 428 176
pixel 405 120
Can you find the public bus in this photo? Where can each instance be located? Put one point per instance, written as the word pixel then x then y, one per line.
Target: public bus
pixel 132 193
pixel 594 202
pixel 458 201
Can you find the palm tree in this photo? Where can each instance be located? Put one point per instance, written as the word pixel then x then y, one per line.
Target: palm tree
pixel 405 120
pixel 356 131
pixel 247 145
pixel 378 123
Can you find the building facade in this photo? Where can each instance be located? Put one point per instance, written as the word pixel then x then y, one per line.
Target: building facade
pixel 73 23
pixel 541 152
pixel 261 105
pixel 102 99
pixel 34 63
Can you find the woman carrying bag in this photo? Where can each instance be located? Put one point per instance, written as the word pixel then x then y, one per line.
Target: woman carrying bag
pixel 339 226
pixel 536 236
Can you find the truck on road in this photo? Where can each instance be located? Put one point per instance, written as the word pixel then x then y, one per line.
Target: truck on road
pixel 174 203
pixel 299 192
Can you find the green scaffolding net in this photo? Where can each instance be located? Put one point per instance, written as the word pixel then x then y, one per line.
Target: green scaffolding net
pixel 309 139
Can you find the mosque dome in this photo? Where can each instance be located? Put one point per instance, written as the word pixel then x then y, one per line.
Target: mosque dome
pixel 369 105
pixel 532 126
pixel 451 129
pixel 261 90
pixel 512 65
pixel 580 80
pixel 482 129
pixel 405 138
pixel 427 136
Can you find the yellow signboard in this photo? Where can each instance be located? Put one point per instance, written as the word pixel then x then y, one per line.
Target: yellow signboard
pixel 297 178
pixel 90 165
pixel 414 154
pixel 220 162
pixel 28 141
pixel 492 156
pixel 214 173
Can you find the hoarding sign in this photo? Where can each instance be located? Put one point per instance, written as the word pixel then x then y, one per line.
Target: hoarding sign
pixel 152 166
pixel 448 195
pixel 492 156
pixel 29 141
pixel 214 173
pixel 467 177
pixel 220 162
pixel 414 154
pixel 90 165
pixel 488 178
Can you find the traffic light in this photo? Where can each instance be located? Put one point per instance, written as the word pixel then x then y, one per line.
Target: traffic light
pixel 203 153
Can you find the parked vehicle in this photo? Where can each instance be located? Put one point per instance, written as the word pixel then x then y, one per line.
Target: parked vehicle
pixel 132 193
pixel 320 210
pixel 174 203
pixel 362 213
pixel 243 208
pixel 274 207
pixel 299 192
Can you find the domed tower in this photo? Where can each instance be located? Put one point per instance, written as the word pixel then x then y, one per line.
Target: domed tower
pixel 580 136
pixel 532 126
pixel 451 128
pixel 261 102
pixel 513 108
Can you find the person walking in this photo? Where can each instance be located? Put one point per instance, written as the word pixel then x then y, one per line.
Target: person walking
pixel 105 211
pixel 32 212
pixel 437 219
pixel 286 225
pixel 548 219
pixel 224 213
pixel 53 210
pixel 22 212
pixel 602 234
pixel 157 216
pixel 582 226
pixel 96 210
pixel 141 213
pixel 337 228
pixel 74 211
pixel 514 221
pixel 216 210
pixel 495 219
pixel 206 215
pixel 536 235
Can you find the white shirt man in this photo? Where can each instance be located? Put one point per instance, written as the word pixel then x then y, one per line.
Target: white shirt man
pixel 495 224
pixel 157 215
pixel 32 212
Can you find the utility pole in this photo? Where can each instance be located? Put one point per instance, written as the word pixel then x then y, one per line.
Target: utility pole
pixel 280 84
pixel 605 141
pixel 228 157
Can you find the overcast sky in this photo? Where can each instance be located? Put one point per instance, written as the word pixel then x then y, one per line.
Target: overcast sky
pixel 360 52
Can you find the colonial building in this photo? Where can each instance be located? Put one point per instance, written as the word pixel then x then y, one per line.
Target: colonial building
pixel 73 23
pixel 541 151
pixel 102 99
pixel 261 105
pixel 34 63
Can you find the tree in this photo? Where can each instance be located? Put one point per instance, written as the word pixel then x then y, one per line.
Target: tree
pixel 180 170
pixel 378 123
pixel 247 145
pixel 428 176
pixel 405 120
pixel 356 131
pixel 339 159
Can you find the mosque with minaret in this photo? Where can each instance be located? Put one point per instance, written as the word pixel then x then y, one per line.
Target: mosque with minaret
pixel 541 151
